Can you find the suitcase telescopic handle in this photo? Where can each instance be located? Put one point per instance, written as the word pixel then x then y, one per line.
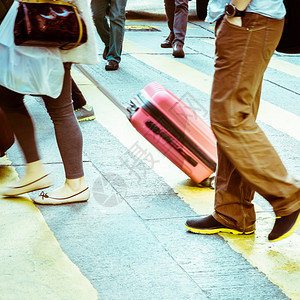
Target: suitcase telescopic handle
pixel 104 91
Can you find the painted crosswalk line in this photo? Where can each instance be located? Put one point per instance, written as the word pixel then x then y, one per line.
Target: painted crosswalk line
pixel 32 264
pixel 203 82
pixel 278 263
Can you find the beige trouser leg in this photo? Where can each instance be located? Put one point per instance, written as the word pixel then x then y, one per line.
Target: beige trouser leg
pixel 247 162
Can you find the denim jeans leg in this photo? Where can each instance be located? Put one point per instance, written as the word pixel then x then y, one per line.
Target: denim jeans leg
pixel 117 29
pixel 99 9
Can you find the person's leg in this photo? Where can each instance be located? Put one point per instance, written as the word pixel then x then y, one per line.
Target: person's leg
pixel 248 162
pixel 170 11
pixel 83 111
pixel 180 20
pixel 77 97
pixel 99 9
pixel 180 25
pixel 35 176
pixel 229 182
pixel 117 29
pixel 238 211
pixel 69 141
pixel 234 101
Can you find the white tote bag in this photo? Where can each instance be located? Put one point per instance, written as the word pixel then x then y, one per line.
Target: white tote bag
pixel 28 70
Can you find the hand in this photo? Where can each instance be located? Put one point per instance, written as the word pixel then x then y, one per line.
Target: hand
pixel 235 20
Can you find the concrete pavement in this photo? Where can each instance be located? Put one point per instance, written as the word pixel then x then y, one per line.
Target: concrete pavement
pixel 154 7
pixel 129 240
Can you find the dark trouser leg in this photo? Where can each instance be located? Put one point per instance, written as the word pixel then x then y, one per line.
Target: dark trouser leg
pixel 170 11
pixel 13 105
pixel 67 130
pixel 180 20
pixel 77 97
pixel 99 9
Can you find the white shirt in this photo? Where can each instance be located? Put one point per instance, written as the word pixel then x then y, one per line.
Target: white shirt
pixel 268 8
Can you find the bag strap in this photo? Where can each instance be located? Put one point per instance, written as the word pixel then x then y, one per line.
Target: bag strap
pixel 80 29
pixel 58 2
pixel 61 2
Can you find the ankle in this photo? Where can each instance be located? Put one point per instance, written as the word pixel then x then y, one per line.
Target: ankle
pixel 35 168
pixel 77 184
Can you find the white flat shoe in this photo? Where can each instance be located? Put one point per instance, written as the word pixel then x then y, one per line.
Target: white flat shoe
pixel 38 184
pixel 44 198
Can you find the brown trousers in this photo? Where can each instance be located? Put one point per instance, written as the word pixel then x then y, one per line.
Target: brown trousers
pixel 247 162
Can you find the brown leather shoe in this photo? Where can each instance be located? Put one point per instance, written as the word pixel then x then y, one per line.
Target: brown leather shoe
pixel 167 43
pixel 178 50
pixel 285 226
pixel 111 65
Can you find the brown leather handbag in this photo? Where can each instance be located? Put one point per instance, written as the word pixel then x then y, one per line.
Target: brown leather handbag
pixel 49 23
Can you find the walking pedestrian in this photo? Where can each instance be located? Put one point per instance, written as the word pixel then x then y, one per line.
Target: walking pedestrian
pixel 67 131
pixel 247 33
pixel 177 18
pixel 110 31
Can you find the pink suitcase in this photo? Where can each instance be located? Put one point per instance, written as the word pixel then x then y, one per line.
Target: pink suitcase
pixel 175 130
pixel 172 127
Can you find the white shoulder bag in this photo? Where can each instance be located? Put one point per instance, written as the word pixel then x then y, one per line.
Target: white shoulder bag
pixel 25 69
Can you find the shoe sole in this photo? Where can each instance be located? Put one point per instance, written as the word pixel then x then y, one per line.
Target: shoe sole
pixel 291 231
pixel 33 190
pixel 217 230
pixel 82 196
pixel 178 55
pixel 57 202
pixel 35 186
pixel 87 119
pixel 168 46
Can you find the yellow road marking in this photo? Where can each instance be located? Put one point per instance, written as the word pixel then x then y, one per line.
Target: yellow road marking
pixel 181 72
pixel 285 67
pixel 279 264
pixel 32 264
pixel 122 129
pixel 141 27
pixel 273 259
pixel 275 63
pixel 201 200
pixel 279 261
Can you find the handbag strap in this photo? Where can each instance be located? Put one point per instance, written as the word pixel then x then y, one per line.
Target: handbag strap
pixel 58 2
pixel 80 29
pixel 61 2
